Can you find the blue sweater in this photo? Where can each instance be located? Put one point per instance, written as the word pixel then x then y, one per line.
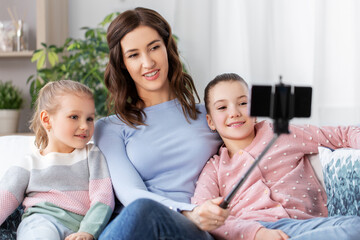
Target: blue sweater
pixel 160 160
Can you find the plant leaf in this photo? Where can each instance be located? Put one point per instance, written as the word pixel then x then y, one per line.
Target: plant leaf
pixel 53 58
pixel 37 54
pixel 41 62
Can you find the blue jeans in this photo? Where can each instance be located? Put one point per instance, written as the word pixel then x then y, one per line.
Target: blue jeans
pixel 325 228
pixel 147 219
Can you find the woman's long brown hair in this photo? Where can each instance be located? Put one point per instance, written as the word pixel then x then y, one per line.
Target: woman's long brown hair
pixel 123 99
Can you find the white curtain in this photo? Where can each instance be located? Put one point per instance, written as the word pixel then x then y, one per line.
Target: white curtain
pixel 314 43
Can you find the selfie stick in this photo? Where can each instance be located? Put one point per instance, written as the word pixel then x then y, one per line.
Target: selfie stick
pixel 280 111
pixel 230 196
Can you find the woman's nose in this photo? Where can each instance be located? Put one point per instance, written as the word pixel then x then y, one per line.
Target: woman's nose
pixel 148 62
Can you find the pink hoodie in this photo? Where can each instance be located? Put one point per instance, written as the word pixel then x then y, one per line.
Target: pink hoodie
pixel 283 185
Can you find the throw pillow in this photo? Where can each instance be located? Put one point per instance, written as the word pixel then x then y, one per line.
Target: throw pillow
pixel 9 227
pixel 341 170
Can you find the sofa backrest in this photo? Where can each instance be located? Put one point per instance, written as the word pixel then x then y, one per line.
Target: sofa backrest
pixel 16 146
pixel 13 148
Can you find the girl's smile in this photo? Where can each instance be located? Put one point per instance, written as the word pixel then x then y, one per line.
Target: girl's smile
pixel 228 114
pixel 236 124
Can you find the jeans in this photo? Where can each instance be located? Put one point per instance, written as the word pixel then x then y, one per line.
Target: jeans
pixel 324 228
pixel 147 219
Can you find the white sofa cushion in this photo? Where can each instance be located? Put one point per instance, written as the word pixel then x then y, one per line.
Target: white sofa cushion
pixel 13 148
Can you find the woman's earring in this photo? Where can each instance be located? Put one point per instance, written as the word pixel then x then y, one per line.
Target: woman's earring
pixel 213 130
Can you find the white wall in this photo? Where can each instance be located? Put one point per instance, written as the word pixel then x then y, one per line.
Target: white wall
pixel 91 12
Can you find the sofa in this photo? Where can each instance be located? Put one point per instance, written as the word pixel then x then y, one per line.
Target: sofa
pixel 12 148
pixel 15 146
pixel 338 172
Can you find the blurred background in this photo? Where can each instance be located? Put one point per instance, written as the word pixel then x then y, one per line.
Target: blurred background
pixel 310 43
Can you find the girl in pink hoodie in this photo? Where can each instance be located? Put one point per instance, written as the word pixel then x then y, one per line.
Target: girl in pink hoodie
pixel 282 198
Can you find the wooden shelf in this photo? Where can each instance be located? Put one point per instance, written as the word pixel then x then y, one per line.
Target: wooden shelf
pixel 16 54
pixel 51 26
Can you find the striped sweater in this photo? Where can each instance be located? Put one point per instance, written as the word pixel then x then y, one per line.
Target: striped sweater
pixel 75 188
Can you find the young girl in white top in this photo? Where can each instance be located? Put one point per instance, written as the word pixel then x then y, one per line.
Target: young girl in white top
pixel 64 185
pixel 283 188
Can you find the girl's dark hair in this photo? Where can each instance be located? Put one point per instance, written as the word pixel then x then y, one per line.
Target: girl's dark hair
pixel 225 77
pixel 123 98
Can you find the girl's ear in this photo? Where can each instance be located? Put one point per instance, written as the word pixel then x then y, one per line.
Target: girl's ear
pixel 45 120
pixel 210 122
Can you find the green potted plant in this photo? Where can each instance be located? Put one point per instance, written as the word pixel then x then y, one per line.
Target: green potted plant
pixel 82 60
pixel 11 101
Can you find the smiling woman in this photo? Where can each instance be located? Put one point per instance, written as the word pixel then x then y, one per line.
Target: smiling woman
pixel 158 141
pixel 129 28
pixel 145 58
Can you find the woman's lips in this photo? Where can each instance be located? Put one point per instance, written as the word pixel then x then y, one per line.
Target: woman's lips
pixel 152 75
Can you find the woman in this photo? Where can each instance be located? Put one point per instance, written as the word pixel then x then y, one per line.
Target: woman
pixel 157 141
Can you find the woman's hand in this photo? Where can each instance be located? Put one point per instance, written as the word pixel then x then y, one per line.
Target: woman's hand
pixel 208 216
pixel 270 234
pixel 80 236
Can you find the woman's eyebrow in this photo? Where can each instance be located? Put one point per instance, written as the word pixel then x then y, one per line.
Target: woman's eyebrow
pixel 149 44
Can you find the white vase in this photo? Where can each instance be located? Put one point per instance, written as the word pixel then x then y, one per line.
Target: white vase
pixel 9 120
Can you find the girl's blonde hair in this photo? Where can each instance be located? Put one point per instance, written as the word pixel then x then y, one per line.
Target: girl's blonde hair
pixel 47 101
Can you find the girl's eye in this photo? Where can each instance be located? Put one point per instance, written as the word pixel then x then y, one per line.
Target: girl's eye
pixel 90 119
pixel 243 103
pixel 75 117
pixel 221 108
